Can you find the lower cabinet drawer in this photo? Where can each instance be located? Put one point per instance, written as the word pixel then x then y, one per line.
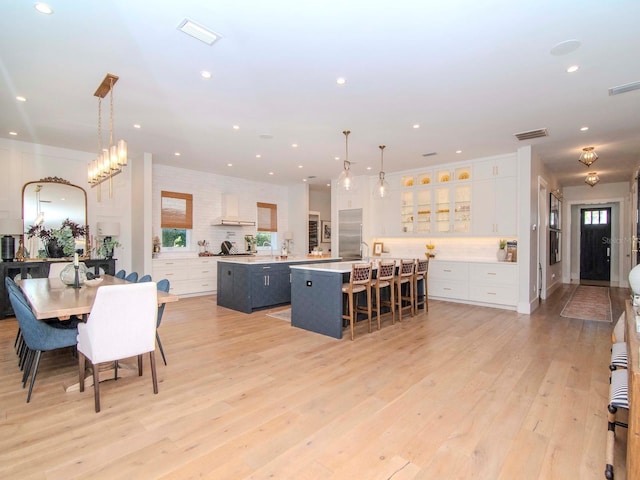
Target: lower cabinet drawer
pixel 499 294
pixel 448 289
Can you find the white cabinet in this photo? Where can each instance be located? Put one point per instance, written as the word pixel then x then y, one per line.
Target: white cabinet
pixel 187 276
pixel 448 280
pixel 495 197
pixel 494 283
pixel 486 283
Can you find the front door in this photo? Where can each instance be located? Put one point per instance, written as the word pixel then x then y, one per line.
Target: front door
pixel 595 244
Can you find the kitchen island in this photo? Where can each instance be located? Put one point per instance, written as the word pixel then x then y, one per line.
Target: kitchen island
pixel 253 283
pixel 316 296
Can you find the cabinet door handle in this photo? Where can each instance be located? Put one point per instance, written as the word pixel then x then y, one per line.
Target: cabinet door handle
pixel 445 270
pixel 491 273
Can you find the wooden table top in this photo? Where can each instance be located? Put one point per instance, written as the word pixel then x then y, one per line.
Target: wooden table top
pixel 50 298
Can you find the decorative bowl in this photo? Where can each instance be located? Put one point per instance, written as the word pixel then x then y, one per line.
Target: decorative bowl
pixel 94 282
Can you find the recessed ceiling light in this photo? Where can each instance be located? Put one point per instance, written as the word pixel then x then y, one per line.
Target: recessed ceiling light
pixel 299 166
pixel 205 74
pixel 416 125
pixel 368 168
pixel 236 127
pixel 13 133
pixel 270 173
pixel 21 99
pixel 458 151
pixel 43 8
pixel 229 164
pixel 294 145
pixel 177 154
pixel 304 179
pixel 198 32
pixel 137 125
pixel 341 81
pixel 336 158
pixel 573 68
pixel 258 155
pixel 584 129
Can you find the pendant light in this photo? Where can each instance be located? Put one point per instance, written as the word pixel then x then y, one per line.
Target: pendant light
pixel 345 179
pixel 382 188
pixel 592 179
pixel 588 156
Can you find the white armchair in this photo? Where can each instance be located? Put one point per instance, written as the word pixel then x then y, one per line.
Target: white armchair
pixel 122 324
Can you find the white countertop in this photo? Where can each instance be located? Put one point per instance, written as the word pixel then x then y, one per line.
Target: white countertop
pixel 262 259
pixel 335 267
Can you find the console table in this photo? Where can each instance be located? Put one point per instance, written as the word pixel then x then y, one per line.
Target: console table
pixel 40 269
pixel 633 434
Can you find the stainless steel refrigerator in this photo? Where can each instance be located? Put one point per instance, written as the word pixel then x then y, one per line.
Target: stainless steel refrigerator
pixel 350 234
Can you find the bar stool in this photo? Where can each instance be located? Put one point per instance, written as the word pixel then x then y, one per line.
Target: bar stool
pixel 405 278
pixel 385 278
pixel 422 268
pixel 360 281
pixel 618 398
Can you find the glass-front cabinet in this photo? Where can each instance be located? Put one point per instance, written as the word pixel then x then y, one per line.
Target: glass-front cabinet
pixel 437 202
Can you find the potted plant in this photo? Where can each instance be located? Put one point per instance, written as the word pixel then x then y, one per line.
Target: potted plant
pixel 502 250
pixel 105 250
pixel 58 242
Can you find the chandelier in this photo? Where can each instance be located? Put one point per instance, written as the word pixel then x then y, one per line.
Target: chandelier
pixel 113 158
pixel 588 156
pixel 345 179
pixel 382 186
pixel 592 179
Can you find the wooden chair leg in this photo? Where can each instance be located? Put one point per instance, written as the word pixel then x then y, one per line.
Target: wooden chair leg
pixel 152 361
pixel 351 301
pixel 369 311
pixel 139 365
pixel 81 369
pixel 611 438
pixel 96 385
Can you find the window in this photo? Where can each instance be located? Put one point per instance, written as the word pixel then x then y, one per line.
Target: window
pixel 595 217
pixel 267 237
pixel 176 219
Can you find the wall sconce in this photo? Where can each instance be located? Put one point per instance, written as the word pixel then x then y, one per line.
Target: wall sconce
pixel 113 159
pixel 10 227
pixel 588 156
pixel 592 179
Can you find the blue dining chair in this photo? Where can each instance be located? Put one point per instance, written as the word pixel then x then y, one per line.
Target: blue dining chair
pixel 121 274
pixel 163 286
pixel 145 278
pixel 39 337
pixel 132 277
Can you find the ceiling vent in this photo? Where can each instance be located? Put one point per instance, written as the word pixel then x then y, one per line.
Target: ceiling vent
pixel 541 132
pixel 199 32
pixel 627 87
pixel 430 154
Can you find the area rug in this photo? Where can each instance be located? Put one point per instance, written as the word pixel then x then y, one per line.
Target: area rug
pixel 281 315
pixel 589 303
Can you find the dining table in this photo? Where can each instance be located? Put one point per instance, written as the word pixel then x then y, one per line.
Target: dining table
pixel 51 298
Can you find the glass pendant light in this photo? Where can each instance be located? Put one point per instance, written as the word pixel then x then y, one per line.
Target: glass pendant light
pixel 592 179
pixel 382 188
pixel 345 179
pixel 588 156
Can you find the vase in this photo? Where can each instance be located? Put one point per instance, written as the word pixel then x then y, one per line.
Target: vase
pixel 502 254
pixel 54 250
pixel 68 274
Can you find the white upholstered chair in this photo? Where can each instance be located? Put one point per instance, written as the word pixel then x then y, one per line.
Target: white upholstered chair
pixel 122 324
pixel 56 267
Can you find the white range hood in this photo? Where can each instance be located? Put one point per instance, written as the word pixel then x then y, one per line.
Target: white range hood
pixel 230 210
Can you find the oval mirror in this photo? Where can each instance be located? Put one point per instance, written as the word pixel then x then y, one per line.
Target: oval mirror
pixel 51 201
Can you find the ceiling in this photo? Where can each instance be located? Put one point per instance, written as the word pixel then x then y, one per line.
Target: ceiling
pixel 469 73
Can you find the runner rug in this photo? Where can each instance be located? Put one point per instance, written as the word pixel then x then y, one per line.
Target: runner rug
pixel 589 303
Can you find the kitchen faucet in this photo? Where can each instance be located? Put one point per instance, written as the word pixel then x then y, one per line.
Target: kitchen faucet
pixel 365 244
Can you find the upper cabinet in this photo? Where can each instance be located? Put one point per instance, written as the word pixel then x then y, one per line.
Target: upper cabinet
pixel 495 197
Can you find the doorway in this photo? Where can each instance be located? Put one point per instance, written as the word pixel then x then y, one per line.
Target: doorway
pixel 595 246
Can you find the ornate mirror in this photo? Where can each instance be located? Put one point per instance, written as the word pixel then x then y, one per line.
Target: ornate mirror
pixel 49 202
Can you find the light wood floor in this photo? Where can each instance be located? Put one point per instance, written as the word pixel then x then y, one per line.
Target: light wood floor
pixel 461 392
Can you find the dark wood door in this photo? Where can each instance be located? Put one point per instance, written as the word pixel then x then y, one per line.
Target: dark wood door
pixel 595 244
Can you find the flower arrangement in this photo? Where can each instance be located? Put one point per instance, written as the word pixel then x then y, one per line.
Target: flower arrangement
pixel 62 238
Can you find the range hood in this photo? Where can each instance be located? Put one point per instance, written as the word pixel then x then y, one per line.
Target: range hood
pixel 230 217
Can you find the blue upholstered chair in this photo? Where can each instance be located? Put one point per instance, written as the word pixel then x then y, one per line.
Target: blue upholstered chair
pixel 145 278
pixel 132 277
pixel 163 286
pixel 38 336
pixel 121 274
